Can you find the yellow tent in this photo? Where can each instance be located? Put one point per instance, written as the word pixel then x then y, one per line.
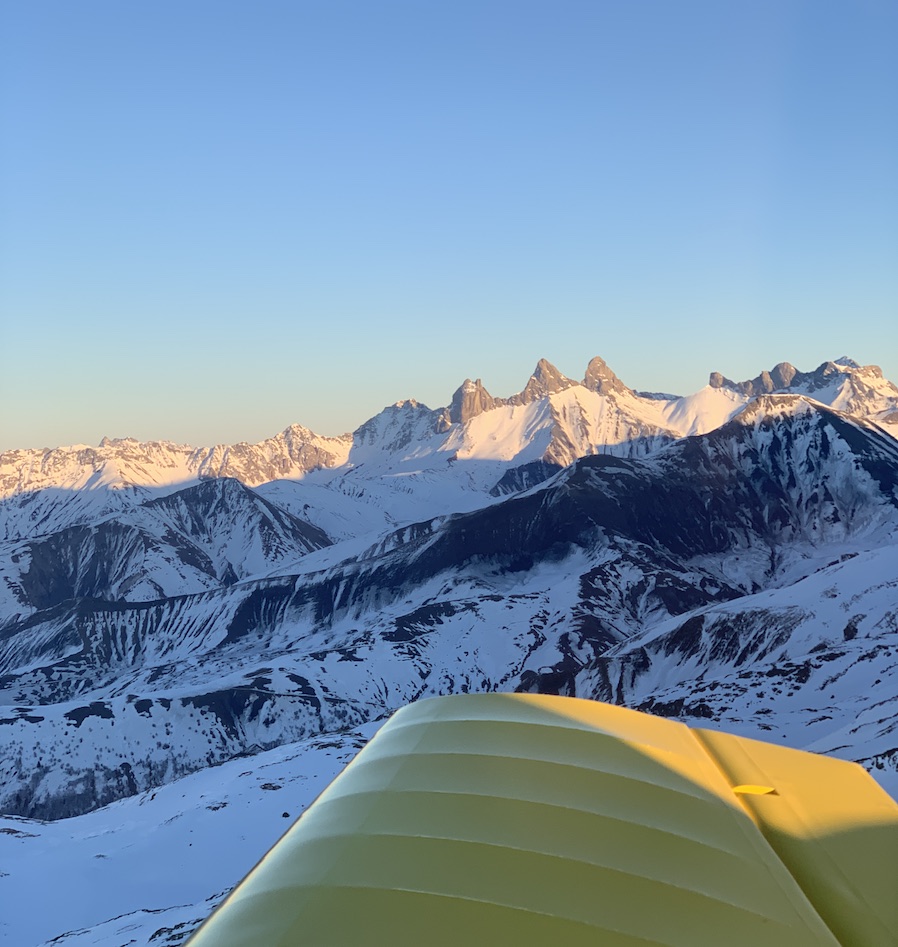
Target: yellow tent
pixel 521 819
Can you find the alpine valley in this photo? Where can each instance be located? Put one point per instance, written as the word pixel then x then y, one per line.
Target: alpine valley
pixel 193 641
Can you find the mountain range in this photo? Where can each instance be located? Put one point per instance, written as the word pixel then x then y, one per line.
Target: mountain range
pixel 730 556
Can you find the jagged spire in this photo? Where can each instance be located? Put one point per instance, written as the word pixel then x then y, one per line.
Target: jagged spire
pixel 470 400
pixel 545 380
pixel 599 377
pixel 779 378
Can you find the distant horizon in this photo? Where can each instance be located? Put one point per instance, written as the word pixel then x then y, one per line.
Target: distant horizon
pixel 359 409
pixel 218 219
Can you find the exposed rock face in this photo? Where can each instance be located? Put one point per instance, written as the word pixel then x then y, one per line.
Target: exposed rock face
pixel 844 384
pixel 203 537
pixel 785 376
pixel 778 378
pixel 395 429
pixel 545 380
pixel 524 477
pixel 293 452
pixel 470 400
pixel 601 379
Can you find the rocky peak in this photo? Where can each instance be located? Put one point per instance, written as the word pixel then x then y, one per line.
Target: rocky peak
pixel 545 380
pixel 826 369
pixel 395 428
pixel 780 377
pixel 844 366
pixel 470 400
pixel 601 379
pixel 786 377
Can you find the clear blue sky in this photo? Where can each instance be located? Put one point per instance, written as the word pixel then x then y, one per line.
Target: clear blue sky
pixel 220 218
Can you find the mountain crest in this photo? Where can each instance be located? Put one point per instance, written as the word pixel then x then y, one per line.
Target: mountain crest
pixel 545 380
pixel 600 378
pixel 779 377
pixel 470 400
pixel 785 376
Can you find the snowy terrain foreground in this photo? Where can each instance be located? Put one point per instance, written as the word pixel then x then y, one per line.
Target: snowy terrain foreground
pixel 148 869
pixel 194 641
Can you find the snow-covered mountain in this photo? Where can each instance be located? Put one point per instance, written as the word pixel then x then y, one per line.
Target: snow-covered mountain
pixel 65 486
pixel 730 556
pixel 411 462
pixel 843 384
pixel 202 537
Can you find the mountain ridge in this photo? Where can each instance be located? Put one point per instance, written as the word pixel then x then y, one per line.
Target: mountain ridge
pixel 611 416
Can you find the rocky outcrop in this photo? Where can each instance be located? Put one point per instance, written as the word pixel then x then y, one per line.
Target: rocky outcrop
pixel 785 377
pixel 292 453
pixel 779 378
pixel 601 379
pixel 469 400
pixel 545 380
pixel 395 429
pixel 844 384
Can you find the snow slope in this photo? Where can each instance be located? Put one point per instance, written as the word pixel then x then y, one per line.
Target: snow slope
pixel 146 870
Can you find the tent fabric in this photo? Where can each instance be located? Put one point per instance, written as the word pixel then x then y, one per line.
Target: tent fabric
pixel 525 819
pixel 833 828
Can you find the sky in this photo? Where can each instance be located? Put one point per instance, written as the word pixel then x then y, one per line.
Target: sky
pixel 218 219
